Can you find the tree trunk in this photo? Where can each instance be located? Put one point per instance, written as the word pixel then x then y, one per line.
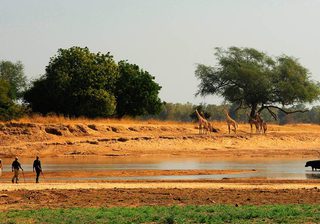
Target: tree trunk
pixel 253 110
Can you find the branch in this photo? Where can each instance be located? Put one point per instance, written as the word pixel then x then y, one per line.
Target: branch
pixel 239 106
pixel 279 108
pixel 287 112
pixel 272 113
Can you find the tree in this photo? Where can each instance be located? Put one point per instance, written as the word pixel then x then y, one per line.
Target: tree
pixel 8 109
pixel 77 83
pixel 13 74
pixel 12 84
pixel 254 80
pixel 5 100
pixel 136 92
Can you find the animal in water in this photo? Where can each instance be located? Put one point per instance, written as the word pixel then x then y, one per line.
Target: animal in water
pixel 315 164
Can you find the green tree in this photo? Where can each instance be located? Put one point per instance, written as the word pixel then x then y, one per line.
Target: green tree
pixel 254 80
pixel 136 92
pixel 8 109
pixel 5 100
pixel 13 73
pixel 77 83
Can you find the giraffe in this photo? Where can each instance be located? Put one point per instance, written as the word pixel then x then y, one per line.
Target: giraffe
pixel 264 126
pixel 262 123
pixel 253 121
pixel 208 126
pixel 231 122
pixel 203 123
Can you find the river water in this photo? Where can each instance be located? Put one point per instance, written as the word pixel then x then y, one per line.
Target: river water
pixel 275 169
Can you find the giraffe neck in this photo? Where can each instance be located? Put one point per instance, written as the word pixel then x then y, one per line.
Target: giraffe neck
pixel 228 116
pixel 198 115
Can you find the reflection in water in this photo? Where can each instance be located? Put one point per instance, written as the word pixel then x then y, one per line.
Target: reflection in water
pixel 313 175
pixel 266 169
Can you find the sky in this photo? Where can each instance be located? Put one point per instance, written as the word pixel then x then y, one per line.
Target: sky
pixel 167 38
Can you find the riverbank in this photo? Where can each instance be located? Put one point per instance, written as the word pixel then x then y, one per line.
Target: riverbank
pixel 134 139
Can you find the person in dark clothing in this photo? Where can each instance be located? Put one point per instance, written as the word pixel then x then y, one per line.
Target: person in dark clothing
pixel 16 166
pixel 37 168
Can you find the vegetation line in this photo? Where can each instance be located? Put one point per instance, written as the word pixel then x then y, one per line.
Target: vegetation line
pixel 173 214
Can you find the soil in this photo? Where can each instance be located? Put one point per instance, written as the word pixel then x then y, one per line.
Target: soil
pixel 133 140
pixel 137 196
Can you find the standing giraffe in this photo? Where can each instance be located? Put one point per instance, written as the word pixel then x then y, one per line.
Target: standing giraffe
pixel 230 122
pixel 203 123
pixel 253 121
pixel 262 123
pixel 208 126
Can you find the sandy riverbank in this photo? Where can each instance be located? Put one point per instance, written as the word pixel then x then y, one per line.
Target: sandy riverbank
pixel 136 139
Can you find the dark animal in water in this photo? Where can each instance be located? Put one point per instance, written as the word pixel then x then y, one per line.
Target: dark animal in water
pixel 315 164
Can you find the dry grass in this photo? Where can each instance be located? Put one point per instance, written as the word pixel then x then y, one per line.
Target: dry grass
pixel 58 119
pixel 243 127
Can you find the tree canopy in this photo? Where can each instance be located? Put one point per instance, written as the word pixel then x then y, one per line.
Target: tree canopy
pixel 5 100
pixel 77 83
pixel 252 79
pixel 12 84
pixel 136 92
pixel 81 83
pixel 13 74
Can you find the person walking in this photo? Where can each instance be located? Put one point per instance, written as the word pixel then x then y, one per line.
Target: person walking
pixel 37 168
pixel 16 166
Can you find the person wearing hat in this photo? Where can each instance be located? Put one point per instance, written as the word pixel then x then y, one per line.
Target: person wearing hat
pixel 16 166
pixel 37 167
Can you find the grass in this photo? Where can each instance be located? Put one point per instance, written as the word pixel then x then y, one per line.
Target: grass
pixel 59 119
pixel 168 215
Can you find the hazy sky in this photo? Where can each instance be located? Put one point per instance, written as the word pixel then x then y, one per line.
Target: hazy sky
pixel 165 37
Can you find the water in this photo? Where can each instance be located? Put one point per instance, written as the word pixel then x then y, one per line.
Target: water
pixel 276 169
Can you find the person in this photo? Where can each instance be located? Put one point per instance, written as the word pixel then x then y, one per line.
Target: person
pixel 1 167
pixel 16 166
pixel 37 167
